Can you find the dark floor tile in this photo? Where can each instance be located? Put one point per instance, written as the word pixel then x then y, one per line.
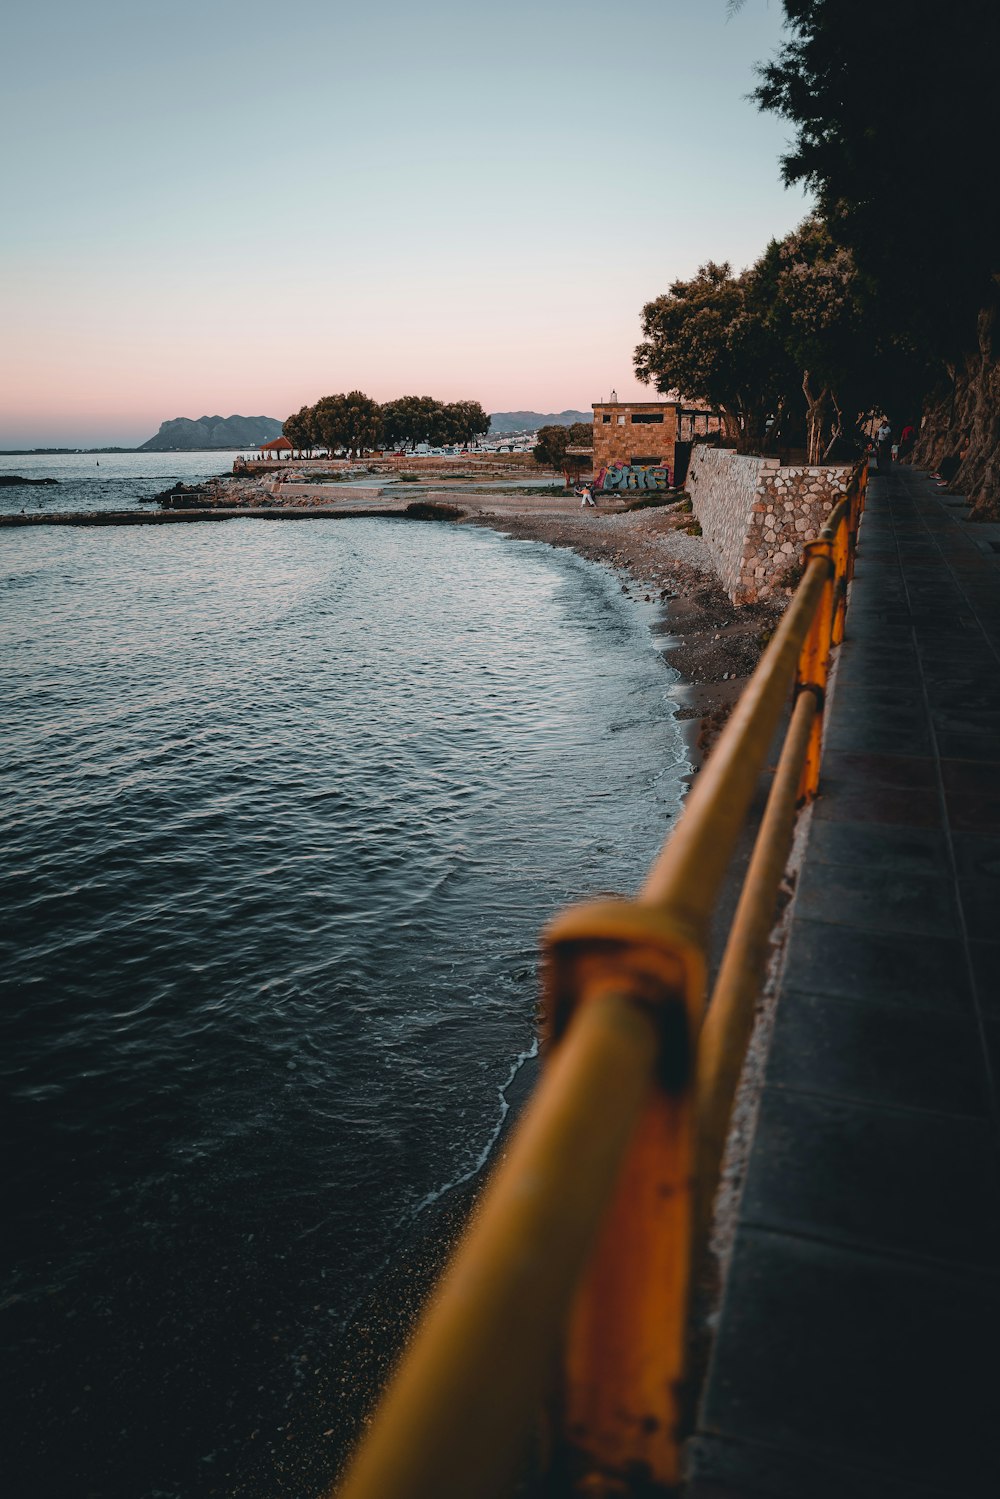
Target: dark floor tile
pixel 978 858
pixel 980 902
pixel 880 900
pixel 938 656
pixel 962 699
pixel 971 719
pixel 991 1028
pixel 721 1469
pixel 965 746
pixel 965 776
pixel 916 971
pixel 856 800
pixel 906 772
pixel 973 811
pixel 861 1359
pixel 954 684
pixel 985 959
pixel 868 845
pixel 902 1180
pixel 904 1058
pixel 865 673
pixel 874 736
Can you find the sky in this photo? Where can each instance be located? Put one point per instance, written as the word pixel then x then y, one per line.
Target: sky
pixel 214 207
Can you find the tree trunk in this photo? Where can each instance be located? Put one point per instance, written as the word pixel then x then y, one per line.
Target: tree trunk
pixel 733 428
pixel 816 407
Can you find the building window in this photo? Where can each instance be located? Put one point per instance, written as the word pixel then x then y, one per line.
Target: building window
pixel 621 421
pixel 648 417
pixel 606 420
pixel 646 462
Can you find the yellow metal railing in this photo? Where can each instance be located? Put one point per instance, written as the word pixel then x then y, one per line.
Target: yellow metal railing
pixel 571 1287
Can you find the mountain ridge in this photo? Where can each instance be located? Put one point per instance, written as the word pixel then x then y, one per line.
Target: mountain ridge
pixel 530 421
pixel 184 433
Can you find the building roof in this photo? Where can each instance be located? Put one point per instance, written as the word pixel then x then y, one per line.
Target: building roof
pixel 275 445
pixel 634 405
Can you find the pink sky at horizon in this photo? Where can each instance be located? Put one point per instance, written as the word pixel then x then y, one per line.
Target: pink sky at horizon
pixel 445 216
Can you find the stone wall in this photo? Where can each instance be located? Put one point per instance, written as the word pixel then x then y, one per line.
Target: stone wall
pixel 756 515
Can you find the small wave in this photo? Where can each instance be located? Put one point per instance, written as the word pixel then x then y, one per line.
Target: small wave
pixel 484 1154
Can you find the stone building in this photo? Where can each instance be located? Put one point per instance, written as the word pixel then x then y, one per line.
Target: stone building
pixel 643 434
pixel 640 434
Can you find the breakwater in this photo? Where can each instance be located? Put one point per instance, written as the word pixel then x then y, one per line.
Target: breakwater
pixel 413 511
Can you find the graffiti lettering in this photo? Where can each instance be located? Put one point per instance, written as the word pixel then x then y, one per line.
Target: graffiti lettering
pixel 619 476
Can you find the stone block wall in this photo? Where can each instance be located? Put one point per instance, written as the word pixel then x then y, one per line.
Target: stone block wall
pixel 755 516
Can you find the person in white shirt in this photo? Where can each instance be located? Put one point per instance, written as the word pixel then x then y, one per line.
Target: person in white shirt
pixel 883 445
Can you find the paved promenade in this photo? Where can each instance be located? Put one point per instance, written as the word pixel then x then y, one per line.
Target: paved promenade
pixel 858 1353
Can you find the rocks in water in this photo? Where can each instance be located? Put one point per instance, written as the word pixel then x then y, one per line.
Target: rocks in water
pixel 8 481
pixel 181 496
pixel 432 510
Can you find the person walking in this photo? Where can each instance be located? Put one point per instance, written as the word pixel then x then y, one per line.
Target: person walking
pixel 883 447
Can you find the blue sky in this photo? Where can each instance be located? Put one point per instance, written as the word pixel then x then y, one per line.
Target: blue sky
pixel 225 207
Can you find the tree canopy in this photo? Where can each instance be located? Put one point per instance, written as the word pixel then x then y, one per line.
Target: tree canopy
pixel 356 423
pixel 894 112
pixel 707 338
pixel 794 343
pixel 300 429
pixel 550 449
pixel 895 117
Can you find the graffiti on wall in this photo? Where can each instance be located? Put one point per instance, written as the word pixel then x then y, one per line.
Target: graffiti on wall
pixel 619 476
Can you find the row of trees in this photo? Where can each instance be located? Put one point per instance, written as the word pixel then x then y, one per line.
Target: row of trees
pixel 792 343
pixel 355 424
pixel 890 296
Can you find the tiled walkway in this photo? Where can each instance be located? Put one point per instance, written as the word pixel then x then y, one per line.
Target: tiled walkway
pixel 858 1352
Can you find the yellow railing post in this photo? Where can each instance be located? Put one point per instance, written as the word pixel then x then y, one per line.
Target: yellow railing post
pixel 841 569
pixel 619 1405
pixel 813 665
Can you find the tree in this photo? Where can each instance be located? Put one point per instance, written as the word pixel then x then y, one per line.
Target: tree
pixel 809 287
pixel 894 108
pixel 550 450
pixel 709 339
pixel 329 422
pixel 299 429
pixel 465 420
pixel 362 423
pixel 415 419
pixel 894 113
pixel 407 419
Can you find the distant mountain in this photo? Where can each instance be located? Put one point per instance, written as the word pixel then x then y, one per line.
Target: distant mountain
pixel 183 434
pixel 530 421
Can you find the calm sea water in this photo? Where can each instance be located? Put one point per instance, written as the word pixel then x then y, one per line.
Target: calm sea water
pixel 102 481
pixel 283 809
